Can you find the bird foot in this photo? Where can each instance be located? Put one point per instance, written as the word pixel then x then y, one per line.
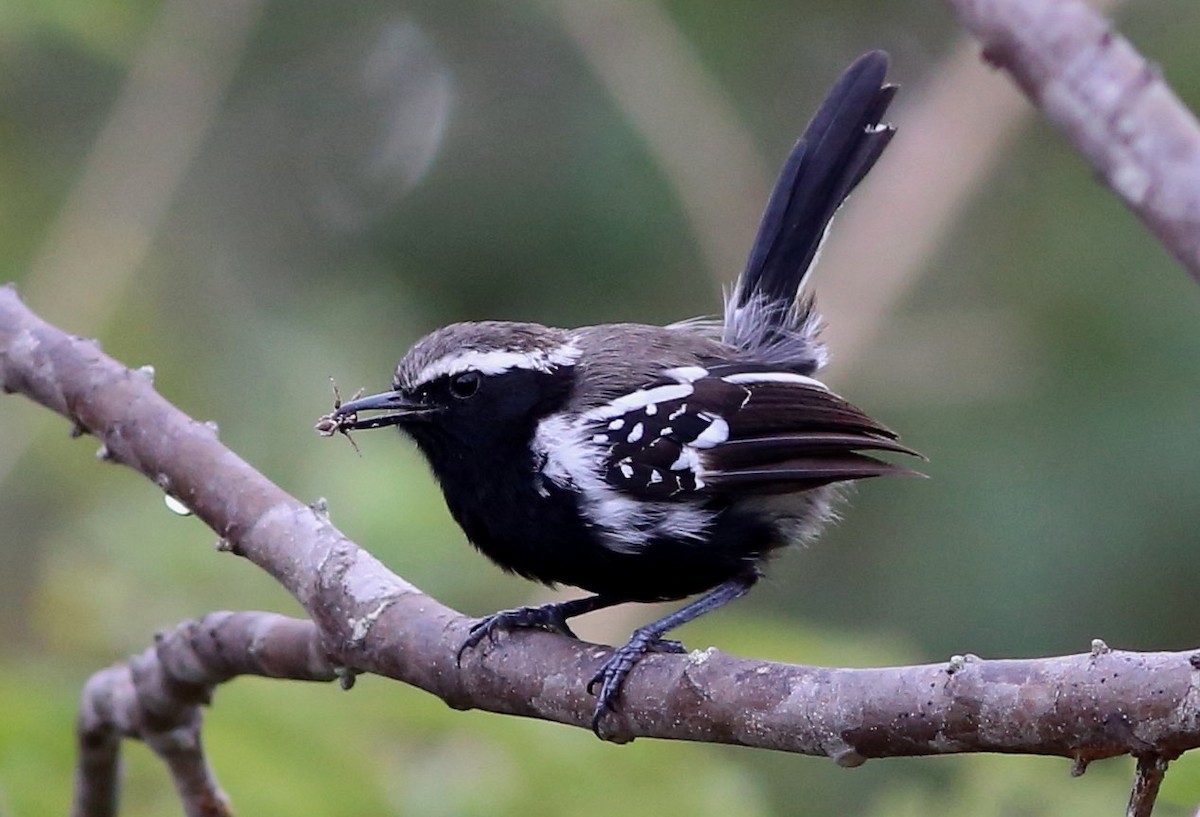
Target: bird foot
pixel 546 617
pixel 612 673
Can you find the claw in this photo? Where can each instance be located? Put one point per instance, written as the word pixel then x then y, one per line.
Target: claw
pixel 629 655
pixel 612 673
pixel 548 617
pixel 649 638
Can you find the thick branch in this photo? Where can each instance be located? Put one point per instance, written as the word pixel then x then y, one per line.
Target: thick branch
pixel 1083 706
pixel 1109 101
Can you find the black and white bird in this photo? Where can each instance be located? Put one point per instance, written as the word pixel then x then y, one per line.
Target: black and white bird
pixel 646 463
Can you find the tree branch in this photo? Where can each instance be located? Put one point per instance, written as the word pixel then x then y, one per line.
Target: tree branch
pixel 1115 107
pixel 1108 100
pixel 156 697
pixel 1084 707
pixel 1099 704
pixel 1149 776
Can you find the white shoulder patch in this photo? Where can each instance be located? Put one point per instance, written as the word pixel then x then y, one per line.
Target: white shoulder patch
pixel 567 456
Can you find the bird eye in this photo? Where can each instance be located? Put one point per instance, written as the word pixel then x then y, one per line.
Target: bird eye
pixel 465 385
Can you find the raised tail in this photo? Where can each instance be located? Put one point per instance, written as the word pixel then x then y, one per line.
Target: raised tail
pixel 839 146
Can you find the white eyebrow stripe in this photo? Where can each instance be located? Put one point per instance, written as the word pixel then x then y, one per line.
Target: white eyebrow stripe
pixel 774 377
pixel 493 362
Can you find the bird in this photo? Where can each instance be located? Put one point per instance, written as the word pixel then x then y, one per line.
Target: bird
pixel 654 463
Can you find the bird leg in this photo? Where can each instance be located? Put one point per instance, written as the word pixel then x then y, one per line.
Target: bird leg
pixel 649 638
pixel 551 617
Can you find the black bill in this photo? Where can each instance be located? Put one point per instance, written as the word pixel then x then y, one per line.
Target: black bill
pixel 397 408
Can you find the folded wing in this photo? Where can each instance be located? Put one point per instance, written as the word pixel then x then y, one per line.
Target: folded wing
pixel 738 429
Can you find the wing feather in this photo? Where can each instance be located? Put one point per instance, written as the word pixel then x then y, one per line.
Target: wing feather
pixel 802 474
pixel 764 433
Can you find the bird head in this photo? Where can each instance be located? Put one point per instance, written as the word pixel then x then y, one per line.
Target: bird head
pixel 467 381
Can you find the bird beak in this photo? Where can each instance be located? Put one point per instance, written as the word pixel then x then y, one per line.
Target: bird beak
pixel 399 409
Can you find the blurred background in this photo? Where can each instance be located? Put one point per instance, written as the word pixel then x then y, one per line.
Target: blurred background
pixel 253 197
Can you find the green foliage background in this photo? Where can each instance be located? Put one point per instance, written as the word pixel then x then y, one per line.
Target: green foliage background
pixel 1046 360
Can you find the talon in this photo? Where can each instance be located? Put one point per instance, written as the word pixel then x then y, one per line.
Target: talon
pixel 478 630
pixel 597 716
pixel 597 678
pixel 613 672
pixel 610 686
pixel 547 617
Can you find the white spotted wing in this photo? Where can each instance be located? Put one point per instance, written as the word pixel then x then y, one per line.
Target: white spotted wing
pixel 736 429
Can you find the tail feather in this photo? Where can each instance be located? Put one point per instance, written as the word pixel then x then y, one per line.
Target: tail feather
pixel 837 149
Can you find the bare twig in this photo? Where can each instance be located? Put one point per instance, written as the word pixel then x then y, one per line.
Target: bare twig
pixel 1110 102
pixel 1118 111
pixel 156 697
pixel 1151 769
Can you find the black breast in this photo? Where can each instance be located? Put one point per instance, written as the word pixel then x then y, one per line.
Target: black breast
pixel 480 451
pixel 545 538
